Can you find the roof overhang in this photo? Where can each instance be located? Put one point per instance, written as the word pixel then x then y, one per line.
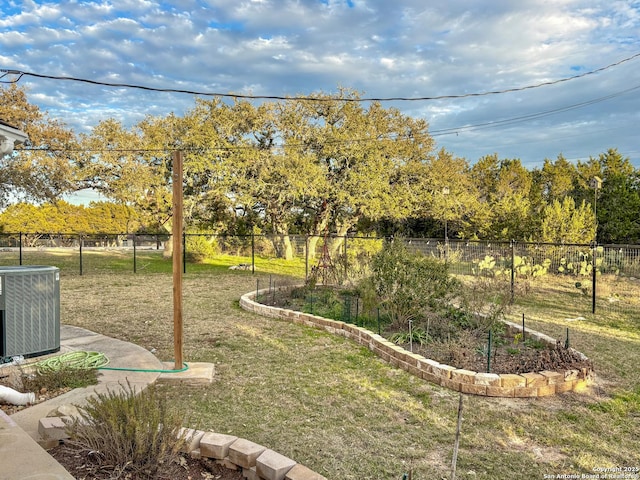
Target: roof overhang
pixel 9 137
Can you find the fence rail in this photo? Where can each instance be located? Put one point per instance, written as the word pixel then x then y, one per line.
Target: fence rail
pixel 603 276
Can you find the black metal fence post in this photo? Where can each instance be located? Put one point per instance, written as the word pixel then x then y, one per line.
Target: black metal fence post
pixel 346 309
pixel 358 310
pixel 20 247
pixel 253 252
pixel 135 267
pixel 81 242
pixel 346 260
pixel 513 269
pixel 593 271
pixel 410 335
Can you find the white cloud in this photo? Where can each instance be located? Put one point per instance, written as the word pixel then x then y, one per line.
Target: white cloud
pixel 13 39
pixel 400 48
pixel 40 14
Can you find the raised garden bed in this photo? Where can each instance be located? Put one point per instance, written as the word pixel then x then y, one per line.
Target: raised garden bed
pixel 535 383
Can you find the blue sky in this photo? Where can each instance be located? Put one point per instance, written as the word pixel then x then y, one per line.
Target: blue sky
pixel 408 48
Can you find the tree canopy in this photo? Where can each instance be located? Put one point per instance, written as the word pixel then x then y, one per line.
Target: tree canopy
pixel 62 217
pixel 332 165
pixel 42 170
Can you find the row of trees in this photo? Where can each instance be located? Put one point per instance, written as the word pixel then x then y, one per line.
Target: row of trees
pixel 329 164
pixel 64 217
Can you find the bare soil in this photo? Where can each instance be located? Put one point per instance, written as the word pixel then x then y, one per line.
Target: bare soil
pixel 79 464
pixel 10 377
pixel 508 358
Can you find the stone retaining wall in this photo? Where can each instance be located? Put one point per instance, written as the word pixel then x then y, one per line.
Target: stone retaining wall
pixel 534 384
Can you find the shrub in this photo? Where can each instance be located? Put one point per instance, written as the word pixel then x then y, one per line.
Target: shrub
pixel 417 336
pixel 407 284
pixel 129 433
pixel 200 248
pixel 263 246
pixel 234 245
pixel 523 266
pixel 360 251
pixel 482 304
pixel 456 350
pixel 61 378
pixel 326 303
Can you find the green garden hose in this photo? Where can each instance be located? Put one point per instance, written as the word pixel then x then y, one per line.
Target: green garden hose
pixel 153 370
pixel 72 360
pixel 88 360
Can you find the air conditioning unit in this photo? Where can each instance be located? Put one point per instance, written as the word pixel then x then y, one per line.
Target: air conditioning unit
pixel 29 311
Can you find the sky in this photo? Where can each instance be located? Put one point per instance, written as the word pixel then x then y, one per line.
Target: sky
pixel 381 48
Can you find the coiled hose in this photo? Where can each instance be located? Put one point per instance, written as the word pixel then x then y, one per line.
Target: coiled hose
pixel 73 360
pixel 88 360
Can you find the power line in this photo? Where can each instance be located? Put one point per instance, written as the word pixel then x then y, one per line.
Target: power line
pixel 432 133
pixel 531 116
pixel 20 74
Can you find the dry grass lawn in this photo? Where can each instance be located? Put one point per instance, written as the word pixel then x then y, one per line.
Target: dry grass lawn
pixel 333 406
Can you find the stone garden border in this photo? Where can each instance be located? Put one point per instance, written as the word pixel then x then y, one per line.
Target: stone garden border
pixel 525 385
pixel 255 461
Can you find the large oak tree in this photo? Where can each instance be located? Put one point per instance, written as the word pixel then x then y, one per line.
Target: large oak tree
pixel 42 169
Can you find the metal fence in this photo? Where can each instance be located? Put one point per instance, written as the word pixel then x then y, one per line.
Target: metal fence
pixel 611 285
pixel 595 277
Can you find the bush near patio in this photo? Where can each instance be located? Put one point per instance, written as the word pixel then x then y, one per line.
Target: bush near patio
pixel 133 434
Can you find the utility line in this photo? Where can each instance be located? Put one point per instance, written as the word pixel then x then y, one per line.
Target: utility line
pixel 20 74
pixel 432 133
pixel 531 116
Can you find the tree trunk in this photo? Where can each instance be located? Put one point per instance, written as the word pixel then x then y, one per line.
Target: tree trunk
pixel 282 246
pixel 322 220
pixel 168 245
pixel 313 245
pixel 281 240
pixel 168 248
pixel 338 241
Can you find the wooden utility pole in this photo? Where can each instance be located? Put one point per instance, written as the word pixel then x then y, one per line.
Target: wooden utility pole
pixel 177 259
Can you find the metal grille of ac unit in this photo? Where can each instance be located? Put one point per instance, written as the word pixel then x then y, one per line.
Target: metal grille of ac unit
pixel 29 310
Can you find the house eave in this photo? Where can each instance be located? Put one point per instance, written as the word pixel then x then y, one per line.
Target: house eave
pixel 9 137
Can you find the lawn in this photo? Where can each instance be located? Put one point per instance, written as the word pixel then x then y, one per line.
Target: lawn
pixel 333 406
pixel 120 260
